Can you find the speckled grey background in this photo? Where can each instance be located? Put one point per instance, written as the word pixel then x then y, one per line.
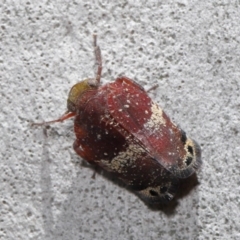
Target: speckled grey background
pixel 190 49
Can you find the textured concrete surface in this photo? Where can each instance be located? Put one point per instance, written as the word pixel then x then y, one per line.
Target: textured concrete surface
pixel 189 48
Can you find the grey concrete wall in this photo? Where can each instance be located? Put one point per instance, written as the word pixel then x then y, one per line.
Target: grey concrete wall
pixel 189 48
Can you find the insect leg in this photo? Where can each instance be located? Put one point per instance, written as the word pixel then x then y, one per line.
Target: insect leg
pixel 98 57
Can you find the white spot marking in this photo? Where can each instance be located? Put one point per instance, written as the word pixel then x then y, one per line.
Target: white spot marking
pixel 124 159
pixel 156 119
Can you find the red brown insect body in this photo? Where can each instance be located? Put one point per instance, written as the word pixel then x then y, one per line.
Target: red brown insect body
pixel 119 128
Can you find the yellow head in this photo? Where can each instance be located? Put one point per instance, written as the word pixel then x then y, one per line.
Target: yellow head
pixel 77 90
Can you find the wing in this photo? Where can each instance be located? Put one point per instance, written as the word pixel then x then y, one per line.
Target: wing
pixel 134 110
pixel 142 174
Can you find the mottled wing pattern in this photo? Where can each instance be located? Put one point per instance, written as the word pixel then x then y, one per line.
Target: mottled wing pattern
pixel 142 174
pixel 133 109
pixel 104 142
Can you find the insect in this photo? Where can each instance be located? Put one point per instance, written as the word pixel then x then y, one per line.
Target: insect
pixel 119 128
